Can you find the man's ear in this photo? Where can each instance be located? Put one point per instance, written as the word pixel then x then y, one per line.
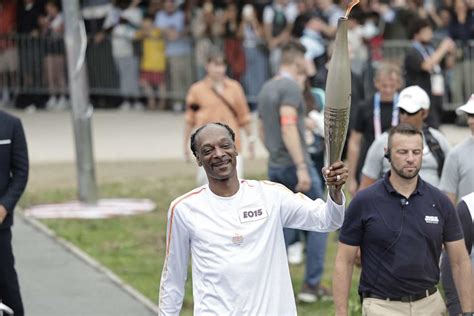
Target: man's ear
pixel 198 160
pixel 387 153
pixel 425 113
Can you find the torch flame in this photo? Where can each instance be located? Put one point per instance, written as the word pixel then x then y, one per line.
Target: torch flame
pixel 350 5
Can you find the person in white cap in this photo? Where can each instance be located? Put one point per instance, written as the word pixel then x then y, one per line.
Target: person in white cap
pixel 458 174
pixel 457 181
pixel 413 104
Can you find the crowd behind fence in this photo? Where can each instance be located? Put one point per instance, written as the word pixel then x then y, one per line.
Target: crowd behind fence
pixel 147 50
pixel 38 67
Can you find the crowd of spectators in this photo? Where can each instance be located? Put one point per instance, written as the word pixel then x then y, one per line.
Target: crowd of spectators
pixel 156 49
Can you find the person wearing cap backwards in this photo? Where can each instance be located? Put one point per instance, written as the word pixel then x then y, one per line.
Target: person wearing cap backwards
pixel 413 104
pixel 457 181
pixel 401 223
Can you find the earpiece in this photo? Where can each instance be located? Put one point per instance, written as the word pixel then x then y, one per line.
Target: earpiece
pixel 387 155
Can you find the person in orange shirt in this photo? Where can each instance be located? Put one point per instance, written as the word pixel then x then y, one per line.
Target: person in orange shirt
pixel 217 98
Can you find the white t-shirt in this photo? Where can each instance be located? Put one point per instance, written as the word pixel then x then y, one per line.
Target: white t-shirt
pixel 239 262
pixel 458 169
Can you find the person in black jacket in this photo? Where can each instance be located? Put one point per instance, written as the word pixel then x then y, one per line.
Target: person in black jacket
pixel 13 178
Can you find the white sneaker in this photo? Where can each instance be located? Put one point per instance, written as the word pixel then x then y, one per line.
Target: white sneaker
pixel 51 103
pixel 62 104
pixel 138 106
pixel 295 253
pixel 30 109
pixel 125 106
pixel 178 107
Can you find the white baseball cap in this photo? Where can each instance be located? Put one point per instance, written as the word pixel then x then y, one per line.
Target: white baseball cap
pixel 467 108
pixel 412 99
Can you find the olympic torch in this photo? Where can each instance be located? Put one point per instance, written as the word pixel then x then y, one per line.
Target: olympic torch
pixel 338 93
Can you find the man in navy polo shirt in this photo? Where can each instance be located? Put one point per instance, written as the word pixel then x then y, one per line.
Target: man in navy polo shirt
pixel 401 223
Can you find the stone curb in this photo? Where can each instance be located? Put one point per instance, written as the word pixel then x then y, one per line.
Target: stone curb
pixel 90 261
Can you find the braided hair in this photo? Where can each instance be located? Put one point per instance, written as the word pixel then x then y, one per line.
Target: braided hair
pixel 196 133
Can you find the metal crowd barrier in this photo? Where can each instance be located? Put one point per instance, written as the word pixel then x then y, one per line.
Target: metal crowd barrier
pixel 34 64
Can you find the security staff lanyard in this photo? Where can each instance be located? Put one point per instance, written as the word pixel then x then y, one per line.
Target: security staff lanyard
pixel 377 114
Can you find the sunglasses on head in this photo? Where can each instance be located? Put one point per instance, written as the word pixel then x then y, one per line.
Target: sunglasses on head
pixel 402 111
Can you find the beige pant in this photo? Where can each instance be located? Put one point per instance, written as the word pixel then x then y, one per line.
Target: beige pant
pixel 9 60
pixel 429 306
pixel 201 177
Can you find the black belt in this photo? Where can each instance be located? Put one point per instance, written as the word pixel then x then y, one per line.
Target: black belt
pixel 405 299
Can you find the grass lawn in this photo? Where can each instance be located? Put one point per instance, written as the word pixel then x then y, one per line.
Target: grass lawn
pixel 133 247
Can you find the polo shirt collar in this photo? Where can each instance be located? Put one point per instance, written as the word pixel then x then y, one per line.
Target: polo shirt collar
pixel 420 186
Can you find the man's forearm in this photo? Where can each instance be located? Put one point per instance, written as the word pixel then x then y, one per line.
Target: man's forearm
pixel 341 285
pixel 434 59
pixel 462 275
pixel 293 144
pixel 353 153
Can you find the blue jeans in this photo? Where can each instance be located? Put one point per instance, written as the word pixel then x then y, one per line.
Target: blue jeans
pixel 315 242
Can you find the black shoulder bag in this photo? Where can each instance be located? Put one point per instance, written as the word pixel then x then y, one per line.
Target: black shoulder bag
pixel 227 103
pixel 435 148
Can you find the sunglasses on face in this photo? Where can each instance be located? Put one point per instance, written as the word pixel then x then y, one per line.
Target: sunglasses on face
pixel 402 111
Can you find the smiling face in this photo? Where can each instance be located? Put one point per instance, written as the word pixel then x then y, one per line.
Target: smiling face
pixel 387 84
pixel 216 153
pixel 406 154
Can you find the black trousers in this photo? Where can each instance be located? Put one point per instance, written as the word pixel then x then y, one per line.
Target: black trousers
pixel 9 286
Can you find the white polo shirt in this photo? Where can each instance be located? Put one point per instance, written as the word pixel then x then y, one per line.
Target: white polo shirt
pixel 239 262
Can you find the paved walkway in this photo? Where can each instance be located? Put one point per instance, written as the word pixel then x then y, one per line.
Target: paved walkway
pixel 59 280
pixel 126 136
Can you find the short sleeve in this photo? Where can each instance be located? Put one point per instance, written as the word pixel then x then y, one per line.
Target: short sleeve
pixel 290 94
pixel 242 107
pixel 373 165
pixel 452 227
pixel 191 99
pixel 352 229
pixel 450 177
